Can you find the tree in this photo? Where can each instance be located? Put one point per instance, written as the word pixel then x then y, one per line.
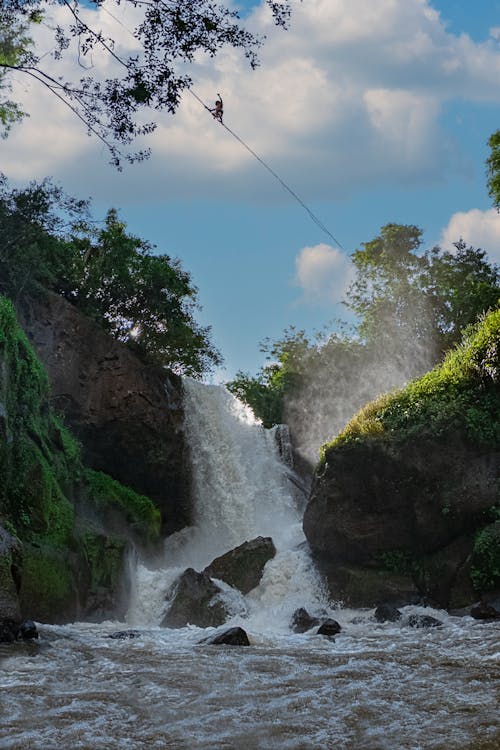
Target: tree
pixel 170 33
pixel 146 300
pixel 493 169
pixel 14 52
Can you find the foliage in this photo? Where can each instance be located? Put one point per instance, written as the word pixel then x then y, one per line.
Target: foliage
pixel 462 392
pixel 406 299
pixel 111 100
pixel 107 495
pixel 493 168
pixel 485 569
pixel 143 299
pixel 14 52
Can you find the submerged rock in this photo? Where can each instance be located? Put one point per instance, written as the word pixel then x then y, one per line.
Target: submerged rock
pixel 243 566
pixel 303 621
pixel 329 627
pixel 123 635
pixel 195 600
pixel 231 637
pixel 387 613
pixel 484 611
pixel 423 621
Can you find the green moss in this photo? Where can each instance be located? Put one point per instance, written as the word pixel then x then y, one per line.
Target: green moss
pixel 463 393
pixel 48 588
pixel 104 557
pixel 485 569
pixel 109 496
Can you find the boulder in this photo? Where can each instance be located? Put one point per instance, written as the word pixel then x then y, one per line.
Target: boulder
pixel 127 414
pixel 329 627
pixel 27 631
pixel 243 566
pixel 303 621
pixel 231 637
pixel 484 611
pixel 194 599
pixel 424 621
pixel 383 510
pixel 387 613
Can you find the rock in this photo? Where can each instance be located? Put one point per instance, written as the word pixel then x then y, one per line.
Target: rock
pixel 400 508
pixel 195 600
pixel 243 566
pixel 329 627
pixel 303 621
pixel 230 637
pixel 27 631
pixel 122 635
pixel 484 611
pixel 10 560
pixel 128 415
pixel 387 613
pixel 8 631
pixel 423 621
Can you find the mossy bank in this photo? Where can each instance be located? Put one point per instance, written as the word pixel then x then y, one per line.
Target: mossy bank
pixel 66 529
pixel 406 500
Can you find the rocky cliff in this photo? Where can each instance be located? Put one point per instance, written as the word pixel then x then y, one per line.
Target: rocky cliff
pixel 128 415
pixel 406 501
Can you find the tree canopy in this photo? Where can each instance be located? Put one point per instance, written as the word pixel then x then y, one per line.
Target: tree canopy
pixel 168 33
pixel 143 298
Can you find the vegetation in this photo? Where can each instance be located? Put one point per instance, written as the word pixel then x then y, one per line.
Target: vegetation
pixel 44 489
pixel 145 299
pixel 462 392
pixel 411 307
pixel 113 106
pixel 485 570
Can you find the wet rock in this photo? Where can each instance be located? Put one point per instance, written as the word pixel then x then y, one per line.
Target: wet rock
pixel 329 627
pixel 303 621
pixel 243 566
pixel 123 635
pixel 231 637
pixel 423 621
pixel 484 611
pixel 10 557
pixel 387 613
pixel 27 631
pixel 8 631
pixel 194 600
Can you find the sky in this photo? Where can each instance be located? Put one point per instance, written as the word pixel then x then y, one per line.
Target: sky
pixel 371 111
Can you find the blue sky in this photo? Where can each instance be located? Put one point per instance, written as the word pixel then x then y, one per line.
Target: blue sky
pixel 373 111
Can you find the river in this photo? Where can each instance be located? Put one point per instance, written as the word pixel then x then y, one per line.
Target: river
pixel 376 686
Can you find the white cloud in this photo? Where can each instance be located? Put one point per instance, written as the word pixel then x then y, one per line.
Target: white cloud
pixel 323 273
pixel 349 97
pixel 480 229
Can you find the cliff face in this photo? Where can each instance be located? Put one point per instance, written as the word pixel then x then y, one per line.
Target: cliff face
pixel 127 415
pixel 405 502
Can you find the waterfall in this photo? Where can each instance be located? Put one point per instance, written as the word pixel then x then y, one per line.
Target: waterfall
pixel 241 489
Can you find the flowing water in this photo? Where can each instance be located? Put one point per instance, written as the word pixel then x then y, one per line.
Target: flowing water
pixel 376 687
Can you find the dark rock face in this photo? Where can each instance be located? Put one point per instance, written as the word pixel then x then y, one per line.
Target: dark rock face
pixel 194 600
pixel 128 415
pixel 303 621
pixel 375 498
pixel 329 627
pixel 387 613
pixel 243 566
pixel 230 637
pixel 10 611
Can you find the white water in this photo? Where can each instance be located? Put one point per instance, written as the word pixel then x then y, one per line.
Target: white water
pixel 240 490
pixel 376 687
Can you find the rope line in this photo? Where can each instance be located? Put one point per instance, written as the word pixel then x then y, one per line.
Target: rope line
pixel 317 221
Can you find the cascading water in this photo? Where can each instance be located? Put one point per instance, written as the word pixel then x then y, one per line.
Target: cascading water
pixel 241 489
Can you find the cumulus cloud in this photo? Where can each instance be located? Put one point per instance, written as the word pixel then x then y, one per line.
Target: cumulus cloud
pixel 323 273
pixel 350 96
pixel 480 229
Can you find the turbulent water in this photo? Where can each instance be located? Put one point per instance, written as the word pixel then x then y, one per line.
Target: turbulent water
pixel 376 687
